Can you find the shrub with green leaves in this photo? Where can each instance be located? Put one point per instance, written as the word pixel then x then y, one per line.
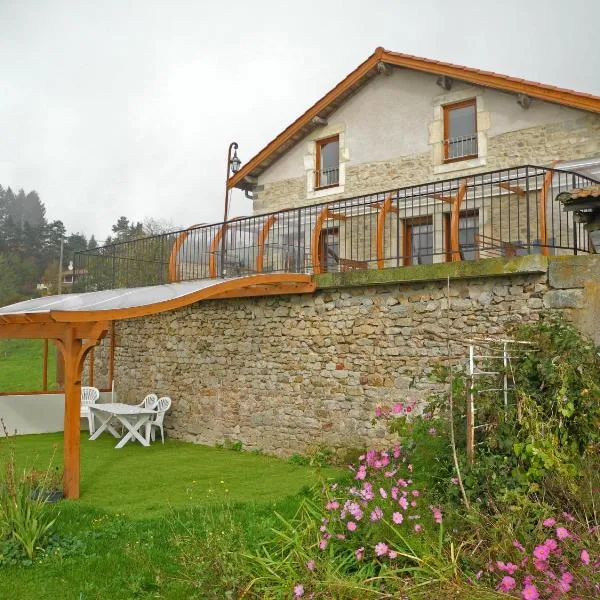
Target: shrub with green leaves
pixel 25 517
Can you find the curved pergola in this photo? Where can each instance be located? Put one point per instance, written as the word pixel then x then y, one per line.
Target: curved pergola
pixel 76 323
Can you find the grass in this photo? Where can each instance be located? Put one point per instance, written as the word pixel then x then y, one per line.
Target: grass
pixel 21 363
pixel 134 502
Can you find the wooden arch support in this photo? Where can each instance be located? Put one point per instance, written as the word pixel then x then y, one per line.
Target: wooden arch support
pixel 262 238
pixel 383 211
pixel 324 215
pixel 455 221
pixel 214 247
pixel 546 185
pixel 181 238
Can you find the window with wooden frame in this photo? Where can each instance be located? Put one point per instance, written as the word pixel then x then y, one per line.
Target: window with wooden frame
pixel 417 241
pixel 327 168
pixel 468 234
pixel 329 249
pixel 460 130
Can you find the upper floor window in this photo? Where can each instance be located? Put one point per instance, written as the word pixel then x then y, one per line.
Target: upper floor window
pixel 460 130
pixel 327 172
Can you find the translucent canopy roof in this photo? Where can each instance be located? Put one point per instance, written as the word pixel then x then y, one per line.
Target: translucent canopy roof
pixel 136 302
pixel 109 299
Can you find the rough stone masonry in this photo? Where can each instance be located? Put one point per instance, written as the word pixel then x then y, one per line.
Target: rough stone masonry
pixel 285 374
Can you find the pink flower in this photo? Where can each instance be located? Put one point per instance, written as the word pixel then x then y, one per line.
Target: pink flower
pixel 454 480
pixel 398 408
pixel 299 591
pixel 377 514
pixel 403 502
pixel 437 514
pixel 392 554
pixel 310 565
pixel 323 544
pixel 416 493
pixel 382 493
pixel 410 468
pixel 414 503
pixel 567 577
pixel 359 553
pixel 507 584
pixel 381 549
pixel 334 505
pixel 394 493
pixel 568 517
pixel 551 544
pixel 530 592
pixel 562 533
pixel 362 472
pixel 585 557
pixel 378 411
pixel 432 431
pixel 397 518
pixel 541 552
pixel 351 526
pixel 418 528
pixel 409 409
pixel 506 567
pixel 396 451
pixel 549 522
pixel 518 546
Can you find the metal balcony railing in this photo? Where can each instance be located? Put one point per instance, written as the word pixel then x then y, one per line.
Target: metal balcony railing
pixel 508 212
pixel 461 147
pixel 327 178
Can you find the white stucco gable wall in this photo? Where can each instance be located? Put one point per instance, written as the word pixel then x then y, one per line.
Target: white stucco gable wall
pixel 392 115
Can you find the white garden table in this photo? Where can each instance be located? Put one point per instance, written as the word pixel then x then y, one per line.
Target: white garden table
pixel 133 418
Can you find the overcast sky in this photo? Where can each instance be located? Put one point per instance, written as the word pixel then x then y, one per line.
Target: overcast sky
pixel 112 108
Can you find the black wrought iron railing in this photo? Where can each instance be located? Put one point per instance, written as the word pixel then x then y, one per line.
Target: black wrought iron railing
pixel 507 212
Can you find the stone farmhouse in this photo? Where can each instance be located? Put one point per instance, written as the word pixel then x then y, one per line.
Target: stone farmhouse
pixel 414 204
pixel 407 172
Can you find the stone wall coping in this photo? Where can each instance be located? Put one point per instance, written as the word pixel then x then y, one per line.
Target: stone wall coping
pixel 487 267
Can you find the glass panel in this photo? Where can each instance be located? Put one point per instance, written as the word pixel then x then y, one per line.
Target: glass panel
pixel 330 246
pixel 330 162
pixel 468 229
pixel 421 251
pixel 461 133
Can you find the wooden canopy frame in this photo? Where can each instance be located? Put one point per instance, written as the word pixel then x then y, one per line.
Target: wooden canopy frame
pixel 77 332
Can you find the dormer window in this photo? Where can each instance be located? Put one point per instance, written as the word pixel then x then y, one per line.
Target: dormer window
pixel 327 171
pixel 460 131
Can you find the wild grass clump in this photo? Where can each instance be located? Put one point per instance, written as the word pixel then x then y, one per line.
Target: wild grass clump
pixel 26 521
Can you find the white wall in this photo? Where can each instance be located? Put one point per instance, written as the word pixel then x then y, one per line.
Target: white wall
pixel 391 116
pixel 40 413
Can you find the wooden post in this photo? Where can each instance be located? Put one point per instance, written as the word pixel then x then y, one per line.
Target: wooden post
pixel 71 349
pixel 45 368
pixel 92 367
pixel 546 185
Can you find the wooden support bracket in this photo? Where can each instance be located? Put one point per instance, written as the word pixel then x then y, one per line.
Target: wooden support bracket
pixel 384 209
pixel 324 215
pixel 173 273
pixel 262 238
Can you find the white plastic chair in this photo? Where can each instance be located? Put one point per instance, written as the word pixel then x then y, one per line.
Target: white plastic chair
pixel 150 401
pixel 89 395
pixel 164 404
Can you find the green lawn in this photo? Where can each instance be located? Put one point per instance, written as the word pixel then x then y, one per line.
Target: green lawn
pixel 134 502
pixel 21 363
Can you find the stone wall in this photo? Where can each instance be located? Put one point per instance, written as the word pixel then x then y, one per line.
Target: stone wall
pixel 284 374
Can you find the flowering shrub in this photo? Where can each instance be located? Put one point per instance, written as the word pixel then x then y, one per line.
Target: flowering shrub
pixel 382 506
pixel 560 566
